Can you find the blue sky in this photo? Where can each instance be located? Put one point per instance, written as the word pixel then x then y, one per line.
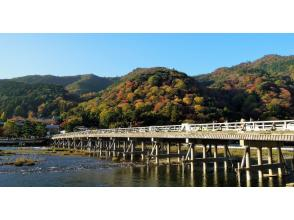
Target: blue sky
pixel 118 54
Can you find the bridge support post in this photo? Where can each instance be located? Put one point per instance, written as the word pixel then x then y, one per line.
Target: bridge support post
pixel 114 148
pixel 168 152
pixel 74 143
pixel 247 163
pixel 110 142
pixel 156 153
pixel 204 156
pixel 225 157
pixel 89 145
pixel 259 161
pixel 215 156
pixel 280 161
pixel 105 148
pixel 270 160
pixel 81 144
pixel 124 149
pixel 100 148
pixel 68 144
pixel 143 150
pixel 192 153
pixel 132 150
pixel 179 152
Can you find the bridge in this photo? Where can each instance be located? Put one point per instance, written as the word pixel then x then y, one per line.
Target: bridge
pixel 178 143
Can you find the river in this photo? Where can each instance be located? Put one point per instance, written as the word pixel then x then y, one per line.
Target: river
pixel 85 171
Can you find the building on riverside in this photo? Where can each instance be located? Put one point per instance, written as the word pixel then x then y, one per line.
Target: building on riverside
pixel 52 129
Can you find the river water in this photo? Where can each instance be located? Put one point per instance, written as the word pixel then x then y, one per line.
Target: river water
pixel 83 171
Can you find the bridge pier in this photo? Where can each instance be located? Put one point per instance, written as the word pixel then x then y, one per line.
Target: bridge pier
pixel 280 161
pixel 168 152
pixel 192 147
pixel 142 150
pixel 215 156
pixel 248 163
pixel 259 161
pixel 179 152
pixel 132 150
pixel 270 160
pixel 156 153
pixel 226 157
pixel 204 157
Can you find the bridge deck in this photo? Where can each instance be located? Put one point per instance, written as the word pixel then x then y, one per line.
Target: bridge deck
pixel 217 135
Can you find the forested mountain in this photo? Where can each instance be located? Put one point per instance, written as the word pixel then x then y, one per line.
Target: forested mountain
pixel 40 100
pixel 146 96
pixel 79 84
pixel 262 89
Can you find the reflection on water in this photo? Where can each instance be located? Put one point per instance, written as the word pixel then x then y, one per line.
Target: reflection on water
pixel 89 171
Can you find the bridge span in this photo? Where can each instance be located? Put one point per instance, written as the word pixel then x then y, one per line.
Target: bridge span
pixel 178 143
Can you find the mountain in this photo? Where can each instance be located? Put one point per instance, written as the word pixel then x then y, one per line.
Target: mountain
pixel 79 84
pixel 40 100
pixel 145 96
pixel 262 89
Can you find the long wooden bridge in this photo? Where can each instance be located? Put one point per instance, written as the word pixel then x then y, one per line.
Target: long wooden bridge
pixel 177 143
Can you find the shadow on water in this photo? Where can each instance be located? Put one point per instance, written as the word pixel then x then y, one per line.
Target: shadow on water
pixel 53 170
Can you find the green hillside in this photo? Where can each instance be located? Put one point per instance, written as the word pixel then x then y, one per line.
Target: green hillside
pixel 79 84
pixel 41 100
pixel 262 89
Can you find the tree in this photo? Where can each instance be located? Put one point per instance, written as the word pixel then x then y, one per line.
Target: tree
pixel 19 111
pixel 40 130
pixel 11 129
pixel 188 100
pixel 28 129
pixel 154 80
pixel 3 117
pixel 198 100
pixel 180 84
pixel 31 115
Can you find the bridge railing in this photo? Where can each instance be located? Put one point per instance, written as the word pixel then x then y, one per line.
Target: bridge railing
pixel 283 125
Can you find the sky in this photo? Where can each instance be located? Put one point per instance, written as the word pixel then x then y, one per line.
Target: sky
pixel 118 54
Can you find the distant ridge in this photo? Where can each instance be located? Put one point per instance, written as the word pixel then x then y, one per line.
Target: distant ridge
pixel 78 84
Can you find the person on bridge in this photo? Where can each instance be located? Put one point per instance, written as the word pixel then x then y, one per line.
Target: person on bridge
pixel 243 124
